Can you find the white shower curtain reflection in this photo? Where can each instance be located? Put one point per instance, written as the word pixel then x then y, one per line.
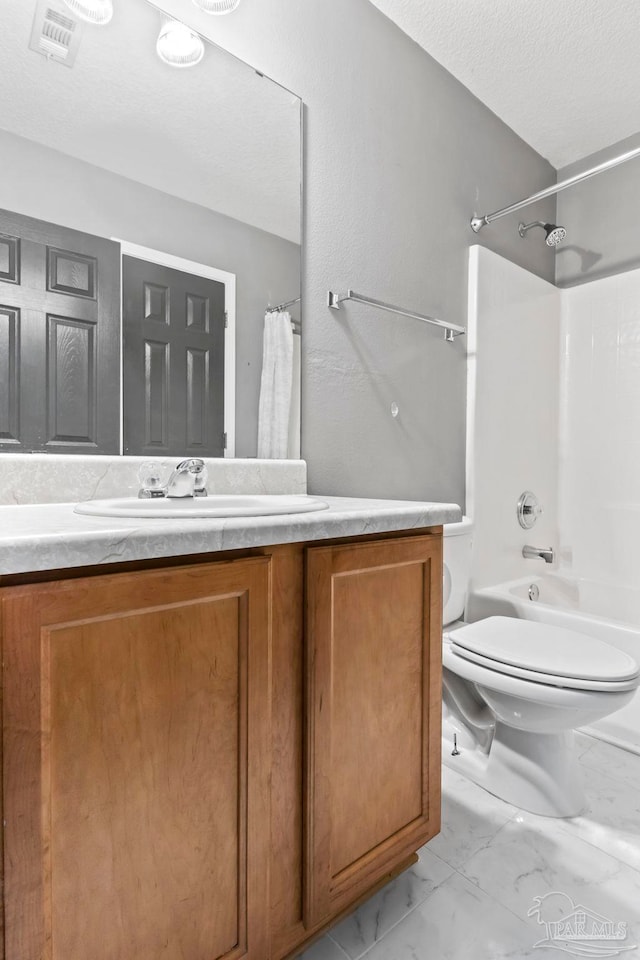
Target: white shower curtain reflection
pixel 275 387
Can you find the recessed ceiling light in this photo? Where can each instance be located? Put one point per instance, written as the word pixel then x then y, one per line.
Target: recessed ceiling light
pixel 178 45
pixel 98 12
pixel 217 6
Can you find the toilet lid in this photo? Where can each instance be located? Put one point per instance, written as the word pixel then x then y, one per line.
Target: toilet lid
pixel 543 649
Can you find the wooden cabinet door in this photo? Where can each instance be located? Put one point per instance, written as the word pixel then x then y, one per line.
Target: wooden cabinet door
pixel 372 797
pixel 136 765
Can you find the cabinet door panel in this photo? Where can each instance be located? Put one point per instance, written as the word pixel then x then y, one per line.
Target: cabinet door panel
pixel 373 748
pixel 377 697
pixel 136 766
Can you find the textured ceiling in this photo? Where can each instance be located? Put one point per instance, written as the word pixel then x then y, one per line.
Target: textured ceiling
pixel 218 134
pixel 564 74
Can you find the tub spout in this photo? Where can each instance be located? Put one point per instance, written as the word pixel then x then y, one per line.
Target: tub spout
pixel 544 553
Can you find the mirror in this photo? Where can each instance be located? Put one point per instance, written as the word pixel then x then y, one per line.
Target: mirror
pixel 149 217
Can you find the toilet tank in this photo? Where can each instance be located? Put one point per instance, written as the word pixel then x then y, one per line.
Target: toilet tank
pixel 457 541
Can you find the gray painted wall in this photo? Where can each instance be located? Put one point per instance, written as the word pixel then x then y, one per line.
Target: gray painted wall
pixel 398 157
pixel 52 186
pixel 602 217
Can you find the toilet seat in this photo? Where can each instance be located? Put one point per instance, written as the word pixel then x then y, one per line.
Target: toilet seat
pixel 570 683
pixel 540 653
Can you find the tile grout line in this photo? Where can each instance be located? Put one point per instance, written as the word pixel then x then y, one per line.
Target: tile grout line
pixel 609 776
pixel 574 833
pixel 479 885
pixel 340 948
pixel 578 836
pixel 407 914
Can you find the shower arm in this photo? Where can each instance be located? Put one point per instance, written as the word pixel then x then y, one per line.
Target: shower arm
pixel 478 222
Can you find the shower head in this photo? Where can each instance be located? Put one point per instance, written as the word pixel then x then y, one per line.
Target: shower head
pixel 554 233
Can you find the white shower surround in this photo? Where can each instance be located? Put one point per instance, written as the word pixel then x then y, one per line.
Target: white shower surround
pixel 600 424
pixel 554 406
pixel 512 412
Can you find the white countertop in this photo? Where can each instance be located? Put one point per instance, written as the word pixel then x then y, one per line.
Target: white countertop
pixel 40 537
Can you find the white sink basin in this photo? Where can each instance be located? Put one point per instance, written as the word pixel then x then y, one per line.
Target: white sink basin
pixel 236 505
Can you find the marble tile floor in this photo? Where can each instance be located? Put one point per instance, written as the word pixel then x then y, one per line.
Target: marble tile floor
pixel 469 895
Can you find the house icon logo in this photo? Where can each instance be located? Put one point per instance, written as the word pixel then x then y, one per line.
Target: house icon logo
pixel 576 930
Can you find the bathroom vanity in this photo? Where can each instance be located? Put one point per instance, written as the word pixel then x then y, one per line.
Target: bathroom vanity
pixel 214 754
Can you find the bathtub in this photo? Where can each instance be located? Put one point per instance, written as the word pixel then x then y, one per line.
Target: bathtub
pixel 608 612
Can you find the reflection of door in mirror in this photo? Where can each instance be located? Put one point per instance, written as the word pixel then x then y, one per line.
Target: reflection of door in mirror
pixel 129 166
pixel 173 327
pixel 59 339
pixel 60 344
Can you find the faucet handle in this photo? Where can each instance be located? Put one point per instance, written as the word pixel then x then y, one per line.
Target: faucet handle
pixel 529 510
pixel 152 480
pixel 200 477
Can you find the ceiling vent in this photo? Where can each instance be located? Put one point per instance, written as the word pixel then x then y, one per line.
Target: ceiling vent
pixel 56 33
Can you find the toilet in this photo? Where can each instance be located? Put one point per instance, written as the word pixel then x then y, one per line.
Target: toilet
pixel 514 691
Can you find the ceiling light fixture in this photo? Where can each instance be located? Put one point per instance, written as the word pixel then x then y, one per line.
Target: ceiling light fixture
pixel 178 45
pixel 97 12
pixel 217 6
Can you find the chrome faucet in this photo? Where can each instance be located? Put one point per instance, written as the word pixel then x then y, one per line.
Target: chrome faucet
pixel 544 553
pixel 187 479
